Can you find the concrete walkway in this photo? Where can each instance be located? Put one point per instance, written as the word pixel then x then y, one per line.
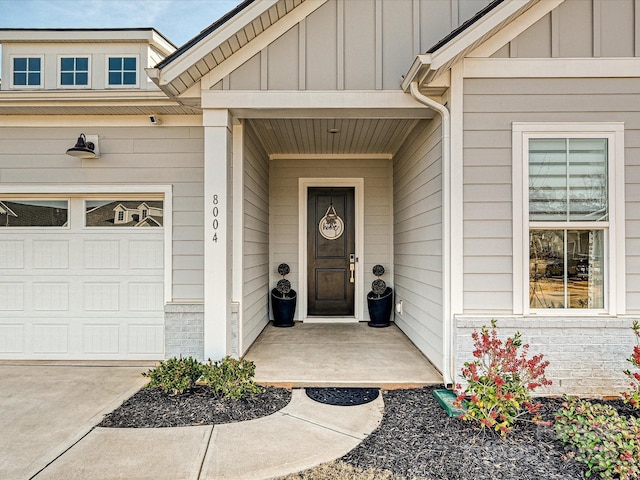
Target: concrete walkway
pixel 303 434
pixel 44 409
pixel 48 415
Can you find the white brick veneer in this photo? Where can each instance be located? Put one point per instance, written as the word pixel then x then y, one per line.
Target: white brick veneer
pixel 587 355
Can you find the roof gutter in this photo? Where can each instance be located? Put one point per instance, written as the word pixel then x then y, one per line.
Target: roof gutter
pixel 447 334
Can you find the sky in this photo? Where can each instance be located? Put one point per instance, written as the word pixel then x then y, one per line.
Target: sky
pixel 178 20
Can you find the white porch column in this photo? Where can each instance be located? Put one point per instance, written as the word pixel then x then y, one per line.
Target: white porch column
pixel 218 229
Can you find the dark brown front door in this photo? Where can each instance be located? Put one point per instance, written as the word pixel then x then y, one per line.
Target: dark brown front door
pixel 331 245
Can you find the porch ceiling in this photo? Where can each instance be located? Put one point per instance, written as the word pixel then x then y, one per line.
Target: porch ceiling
pixel 332 136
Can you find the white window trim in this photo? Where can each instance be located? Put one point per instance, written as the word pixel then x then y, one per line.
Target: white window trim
pixel 73 87
pixel 615 242
pixel 26 87
pixel 106 70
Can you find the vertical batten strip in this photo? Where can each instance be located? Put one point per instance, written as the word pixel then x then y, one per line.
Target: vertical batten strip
pixel 378 44
pixel 302 54
pixel 416 27
pixel 597 30
pixel 455 14
pixel 555 34
pixel 264 68
pixel 636 11
pixel 340 45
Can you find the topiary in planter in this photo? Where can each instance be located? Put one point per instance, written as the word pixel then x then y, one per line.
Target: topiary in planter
pixel 283 300
pixel 379 300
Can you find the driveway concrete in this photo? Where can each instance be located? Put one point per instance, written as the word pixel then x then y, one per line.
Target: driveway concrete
pixel 47 408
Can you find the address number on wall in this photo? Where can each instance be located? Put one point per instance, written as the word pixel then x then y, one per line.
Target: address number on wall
pixel 215 223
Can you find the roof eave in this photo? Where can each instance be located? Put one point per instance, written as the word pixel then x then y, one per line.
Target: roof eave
pixel 427 66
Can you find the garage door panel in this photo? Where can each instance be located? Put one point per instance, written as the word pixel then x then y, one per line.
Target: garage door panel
pixel 144 254
pixel 146 339
pixel 50 296
pixel 101 254
pixel 53 254
pixel 76 292
pixel 102 297
pixel 11 254
pixel 102 339
pixel 11 297
pixel 50 338
pixel 12 338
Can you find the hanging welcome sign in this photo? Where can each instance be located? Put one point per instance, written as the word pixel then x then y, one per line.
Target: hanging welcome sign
pixel 331 225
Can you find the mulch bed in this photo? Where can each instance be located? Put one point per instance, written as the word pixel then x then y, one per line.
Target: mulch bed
pixel 151 407
pixel 416 439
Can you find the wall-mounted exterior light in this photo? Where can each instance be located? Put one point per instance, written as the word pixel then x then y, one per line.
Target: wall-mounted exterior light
pixel 85 147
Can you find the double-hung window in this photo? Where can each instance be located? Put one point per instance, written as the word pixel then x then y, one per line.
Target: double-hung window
pixel 74 72
pixel 122 71
pixel 26 72
pixel 568 218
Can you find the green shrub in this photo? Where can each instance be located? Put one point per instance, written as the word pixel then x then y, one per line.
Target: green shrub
pixel 500 381
pixel 230 377
pixel 606 442
pixel 175 375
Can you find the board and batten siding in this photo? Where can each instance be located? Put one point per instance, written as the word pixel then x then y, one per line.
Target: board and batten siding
pixel 255 261
pixel 130 156
pixel 284 221
pixel 581 29
pixel 352 45
pixel 417 213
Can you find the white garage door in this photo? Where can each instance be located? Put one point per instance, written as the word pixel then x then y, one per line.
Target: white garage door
pixel 81 278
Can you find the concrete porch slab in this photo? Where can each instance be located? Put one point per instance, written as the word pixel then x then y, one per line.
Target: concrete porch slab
pixel 339 355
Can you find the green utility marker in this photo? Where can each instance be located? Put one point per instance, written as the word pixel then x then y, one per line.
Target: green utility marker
pixel 446 398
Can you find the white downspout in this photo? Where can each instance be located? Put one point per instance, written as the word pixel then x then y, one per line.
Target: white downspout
pixel 447 363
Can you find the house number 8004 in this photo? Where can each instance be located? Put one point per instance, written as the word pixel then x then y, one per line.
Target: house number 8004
pixel 215 218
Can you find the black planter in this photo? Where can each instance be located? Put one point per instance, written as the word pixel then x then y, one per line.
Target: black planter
pixel 283 308
pixel 380 308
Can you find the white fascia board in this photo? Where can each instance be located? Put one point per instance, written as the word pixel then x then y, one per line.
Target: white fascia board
pixel 205 46
pixel 86 121
pixel 259 43
pixel 476 31
pixel 551 67
pixel 145 35
pixel 420 64
pixel 285 99
pixel 515 28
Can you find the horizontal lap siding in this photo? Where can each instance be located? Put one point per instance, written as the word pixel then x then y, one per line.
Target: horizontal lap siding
pixel 491 105
pixel 130 155
pixel 417 187
pixel 255 300
pixel 284 175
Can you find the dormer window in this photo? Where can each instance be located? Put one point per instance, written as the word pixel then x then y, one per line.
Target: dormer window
pixel 27 72
pixel 123 71
pixel 74 72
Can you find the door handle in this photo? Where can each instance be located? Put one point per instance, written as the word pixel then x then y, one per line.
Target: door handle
pixel 352 267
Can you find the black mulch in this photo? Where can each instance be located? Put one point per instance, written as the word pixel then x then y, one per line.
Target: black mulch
pixel 417 439
pixel 151 407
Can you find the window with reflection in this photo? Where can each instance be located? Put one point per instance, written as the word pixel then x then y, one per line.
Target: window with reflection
pixel 34 213
pixel 568 222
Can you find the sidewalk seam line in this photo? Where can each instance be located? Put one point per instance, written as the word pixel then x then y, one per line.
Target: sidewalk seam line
pixel 324 426
pixel 206 450
pixel 62 453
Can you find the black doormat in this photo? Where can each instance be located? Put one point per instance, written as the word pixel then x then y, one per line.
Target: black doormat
pixel 343 397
